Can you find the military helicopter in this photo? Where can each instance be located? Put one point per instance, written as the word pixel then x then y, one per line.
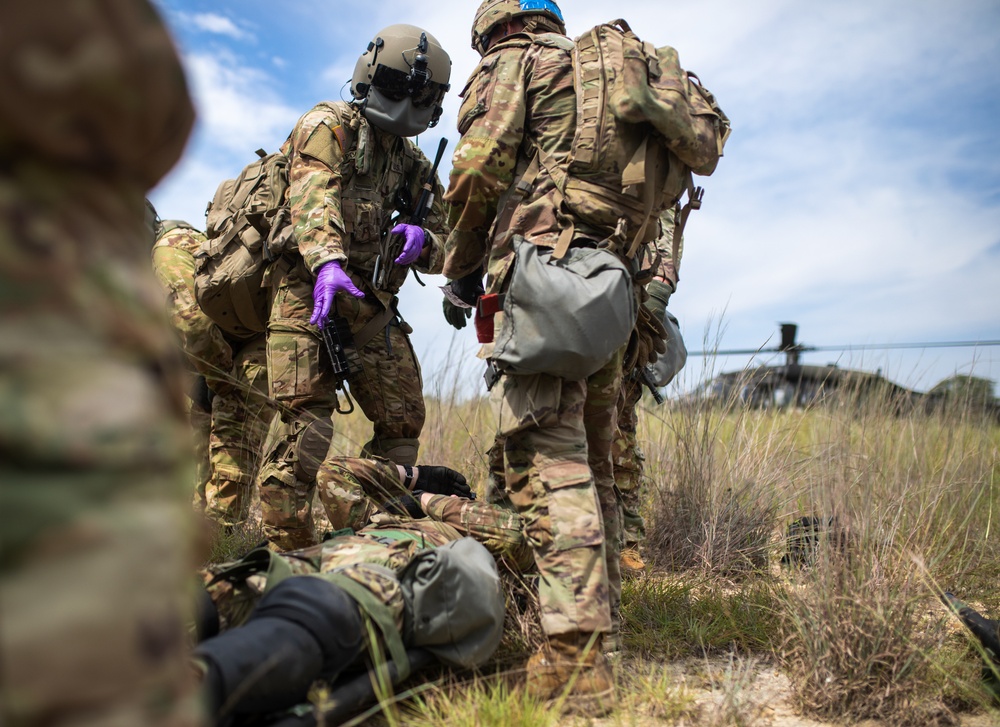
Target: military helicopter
pixel 796 384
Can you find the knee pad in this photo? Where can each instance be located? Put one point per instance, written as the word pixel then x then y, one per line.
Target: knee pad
pixel 311 446
pixel 397 451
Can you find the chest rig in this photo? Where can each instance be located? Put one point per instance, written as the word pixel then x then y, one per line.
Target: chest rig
pixel 374 185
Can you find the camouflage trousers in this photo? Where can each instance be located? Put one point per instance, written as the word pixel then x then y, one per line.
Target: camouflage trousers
pixel 544 422
pixel 629 462
pixel 388 389
pixel 240 419
pixel 95 535
pixel 201 431
pixel 599 416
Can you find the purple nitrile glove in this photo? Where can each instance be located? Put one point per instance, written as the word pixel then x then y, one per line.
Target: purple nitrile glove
pixel 330 280
pixel 413 245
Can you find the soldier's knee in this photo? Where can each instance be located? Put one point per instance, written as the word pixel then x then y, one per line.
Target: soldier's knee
pixel 312 442
pixel 400 451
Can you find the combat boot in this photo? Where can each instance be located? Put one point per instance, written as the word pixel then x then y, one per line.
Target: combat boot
pixel 572 668
pixel 632 564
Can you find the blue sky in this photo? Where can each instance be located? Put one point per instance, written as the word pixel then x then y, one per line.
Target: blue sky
pixel 859 195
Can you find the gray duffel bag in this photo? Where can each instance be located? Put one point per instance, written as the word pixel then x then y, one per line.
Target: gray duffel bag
pixel 668 364
pixel 564 317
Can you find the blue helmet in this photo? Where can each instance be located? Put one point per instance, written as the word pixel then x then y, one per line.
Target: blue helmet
pixel 539 15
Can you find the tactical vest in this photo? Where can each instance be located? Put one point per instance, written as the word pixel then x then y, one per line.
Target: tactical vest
pixel 375 183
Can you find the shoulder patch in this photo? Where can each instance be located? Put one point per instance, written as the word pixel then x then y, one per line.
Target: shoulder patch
pixel 324 144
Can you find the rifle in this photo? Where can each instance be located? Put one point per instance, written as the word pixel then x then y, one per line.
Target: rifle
pixel 339 343
pixel 385 261
pixel 647 378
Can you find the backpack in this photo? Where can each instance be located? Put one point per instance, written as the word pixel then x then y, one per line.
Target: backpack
pixel 641 119
pixel 247 226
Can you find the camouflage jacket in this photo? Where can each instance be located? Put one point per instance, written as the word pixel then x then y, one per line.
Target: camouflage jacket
pixel 389 543
pixel 92 113
pixel 665 266
pixel 346 178
pixel 174 265
pixel 525 77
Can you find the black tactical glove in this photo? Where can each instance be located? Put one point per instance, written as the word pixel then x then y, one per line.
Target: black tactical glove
pixel 406 505
pixel 469 288
pixel 455 315
pixel 201 396
pixel 442 481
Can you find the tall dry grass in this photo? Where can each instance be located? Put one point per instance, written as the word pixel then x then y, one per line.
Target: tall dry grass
pixel 909 503
pixel 913 499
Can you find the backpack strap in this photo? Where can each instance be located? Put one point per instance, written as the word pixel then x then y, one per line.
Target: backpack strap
pixel 378 612
pixel 695 195
pixel 644 167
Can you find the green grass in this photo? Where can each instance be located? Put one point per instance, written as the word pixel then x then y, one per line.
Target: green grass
pixel 859 633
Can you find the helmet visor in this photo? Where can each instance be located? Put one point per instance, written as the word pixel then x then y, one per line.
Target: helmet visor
pixel 397 85
pixel 548 5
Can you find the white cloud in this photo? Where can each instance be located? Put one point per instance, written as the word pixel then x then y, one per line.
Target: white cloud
pixel 240 109
pixel 859 195
pixel 216 24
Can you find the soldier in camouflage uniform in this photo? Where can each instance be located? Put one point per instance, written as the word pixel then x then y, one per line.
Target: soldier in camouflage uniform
pixel 628 456
pixel 234 373
pixel 351 168
pixel 558 451
pixel 281 632
pixel 95 529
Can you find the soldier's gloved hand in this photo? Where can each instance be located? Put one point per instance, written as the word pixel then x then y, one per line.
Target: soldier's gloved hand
pixel 659 295
pixel 469 288
pixel 455 315
pixel 413 243
pixel 201 396
pixel 442 481
pixel 330 280
pixel 406 505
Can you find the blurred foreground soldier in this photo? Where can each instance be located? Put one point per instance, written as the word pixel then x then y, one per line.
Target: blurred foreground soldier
pixel 94 448
pixel 654 356
pixel 231 383
pixel 351 168
pixel 421 579
pixel 553 193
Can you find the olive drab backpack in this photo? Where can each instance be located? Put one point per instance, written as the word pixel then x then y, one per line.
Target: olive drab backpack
pixel 247 225
pixel 641 120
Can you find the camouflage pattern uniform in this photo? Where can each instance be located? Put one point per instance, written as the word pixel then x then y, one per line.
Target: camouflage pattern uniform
pixel 344 179
pixel 519 108
pixel 95 530
pixel 236 372
pixel 390 542
pixel 628 456
pixel 544 419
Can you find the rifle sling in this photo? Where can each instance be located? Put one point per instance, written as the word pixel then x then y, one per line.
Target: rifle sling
pixel 374 326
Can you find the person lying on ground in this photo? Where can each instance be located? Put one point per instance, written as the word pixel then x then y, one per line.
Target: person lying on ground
pixel 422 572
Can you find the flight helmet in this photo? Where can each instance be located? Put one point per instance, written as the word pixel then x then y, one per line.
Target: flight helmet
pixel 401 79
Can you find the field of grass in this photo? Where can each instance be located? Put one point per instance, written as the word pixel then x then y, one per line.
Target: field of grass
pixel 719 631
